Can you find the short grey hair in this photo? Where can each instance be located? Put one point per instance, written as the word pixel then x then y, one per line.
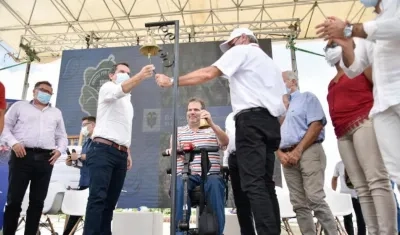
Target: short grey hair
pixel 291 75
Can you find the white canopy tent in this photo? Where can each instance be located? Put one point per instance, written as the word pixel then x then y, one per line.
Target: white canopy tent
pixel 51 26
pixel 39 30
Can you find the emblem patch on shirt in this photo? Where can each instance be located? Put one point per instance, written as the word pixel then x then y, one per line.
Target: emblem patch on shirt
pixel 93 79
pixel 151 120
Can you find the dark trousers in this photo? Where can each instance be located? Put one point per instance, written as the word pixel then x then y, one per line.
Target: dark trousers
pixel 34 167
pixel 107 167
pixel 243 207
pixel 348 220
pixel 72 220
pixel 257 138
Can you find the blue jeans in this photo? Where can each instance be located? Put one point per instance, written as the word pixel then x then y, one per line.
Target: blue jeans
pixel 107 167
pixel 214 191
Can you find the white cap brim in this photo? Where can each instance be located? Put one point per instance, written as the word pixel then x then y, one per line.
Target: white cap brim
pixel 225 45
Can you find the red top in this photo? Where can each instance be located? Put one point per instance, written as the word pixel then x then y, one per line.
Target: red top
pixel 3 103
pixel 350 101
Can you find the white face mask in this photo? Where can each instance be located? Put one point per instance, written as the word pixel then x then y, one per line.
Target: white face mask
pixel 121 77
pixel 85 131
pixel 333 55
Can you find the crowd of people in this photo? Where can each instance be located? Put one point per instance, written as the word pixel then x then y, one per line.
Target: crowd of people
pixel 271 117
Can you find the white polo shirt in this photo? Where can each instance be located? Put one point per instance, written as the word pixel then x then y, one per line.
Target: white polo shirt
pixel 114 115
pixel 254 79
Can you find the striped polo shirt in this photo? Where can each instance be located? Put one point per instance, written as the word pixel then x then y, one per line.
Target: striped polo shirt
pixel 200 138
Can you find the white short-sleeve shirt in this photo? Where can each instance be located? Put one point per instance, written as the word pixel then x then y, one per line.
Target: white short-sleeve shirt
pixel 254 79
pixel 339 172
pixel 114 115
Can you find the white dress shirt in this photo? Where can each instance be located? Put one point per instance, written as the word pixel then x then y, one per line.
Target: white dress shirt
pixel 230 130
pixel 27 124
pixel 114 115
pixel 254 79
pixel 382 51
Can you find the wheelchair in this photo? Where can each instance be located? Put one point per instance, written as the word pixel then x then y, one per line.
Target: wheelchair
pixel 197 195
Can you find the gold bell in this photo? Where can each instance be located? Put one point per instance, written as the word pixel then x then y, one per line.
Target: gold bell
pixel 149 48
pixel 204 124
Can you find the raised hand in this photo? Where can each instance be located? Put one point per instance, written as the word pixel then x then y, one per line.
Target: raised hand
pixel 147 71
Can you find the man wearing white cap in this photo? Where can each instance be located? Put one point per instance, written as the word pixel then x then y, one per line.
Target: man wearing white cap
pixel 256 89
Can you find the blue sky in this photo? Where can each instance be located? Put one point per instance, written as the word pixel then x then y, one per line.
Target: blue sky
pixel 314 76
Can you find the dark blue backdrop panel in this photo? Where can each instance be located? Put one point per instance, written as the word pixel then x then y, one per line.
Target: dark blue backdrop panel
pixel 82 74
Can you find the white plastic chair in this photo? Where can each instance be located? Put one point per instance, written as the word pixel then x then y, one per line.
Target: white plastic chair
pixel 52 205
pixel 340 205
pixel 285 208
pixel 74 203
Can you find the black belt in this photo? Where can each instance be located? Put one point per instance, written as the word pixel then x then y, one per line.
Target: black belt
pixel 291 148
pixel 256 109
pixel 38 150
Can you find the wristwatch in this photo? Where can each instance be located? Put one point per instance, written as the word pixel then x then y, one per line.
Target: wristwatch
pixel 348 31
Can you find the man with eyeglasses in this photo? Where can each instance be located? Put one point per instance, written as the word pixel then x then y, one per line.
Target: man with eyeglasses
pixel 88 124
pixel 35 130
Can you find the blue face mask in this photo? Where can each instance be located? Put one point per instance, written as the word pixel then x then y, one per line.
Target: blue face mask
pixel 43 97
pixel 369 3
pixel 121 77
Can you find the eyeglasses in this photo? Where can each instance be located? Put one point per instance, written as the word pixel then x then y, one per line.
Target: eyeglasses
pixel 330 46
pixel 86 124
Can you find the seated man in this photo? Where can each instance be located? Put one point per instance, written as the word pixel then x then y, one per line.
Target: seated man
pixel 208 137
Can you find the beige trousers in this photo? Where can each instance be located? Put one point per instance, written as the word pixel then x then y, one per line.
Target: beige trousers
pixel 364 164
pixel 387 130
pixel 305 182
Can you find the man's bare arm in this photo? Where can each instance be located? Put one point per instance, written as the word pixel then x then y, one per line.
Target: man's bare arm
pixel 358 31
pixel 199 76
pixel 311 136
pixel 222 137
pixel 334 183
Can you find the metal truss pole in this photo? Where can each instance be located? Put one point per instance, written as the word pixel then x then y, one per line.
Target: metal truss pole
pixel 293 60
pixel 26 80
pixel 175 113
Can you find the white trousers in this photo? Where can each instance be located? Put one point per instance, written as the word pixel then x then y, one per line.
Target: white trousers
pixel 387 130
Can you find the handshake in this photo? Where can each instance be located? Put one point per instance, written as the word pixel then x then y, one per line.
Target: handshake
pixel 161 79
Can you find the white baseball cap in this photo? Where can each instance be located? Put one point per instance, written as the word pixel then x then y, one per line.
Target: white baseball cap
pixel 235 33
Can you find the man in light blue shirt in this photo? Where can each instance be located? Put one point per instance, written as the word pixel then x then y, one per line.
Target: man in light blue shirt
pixel 303 158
